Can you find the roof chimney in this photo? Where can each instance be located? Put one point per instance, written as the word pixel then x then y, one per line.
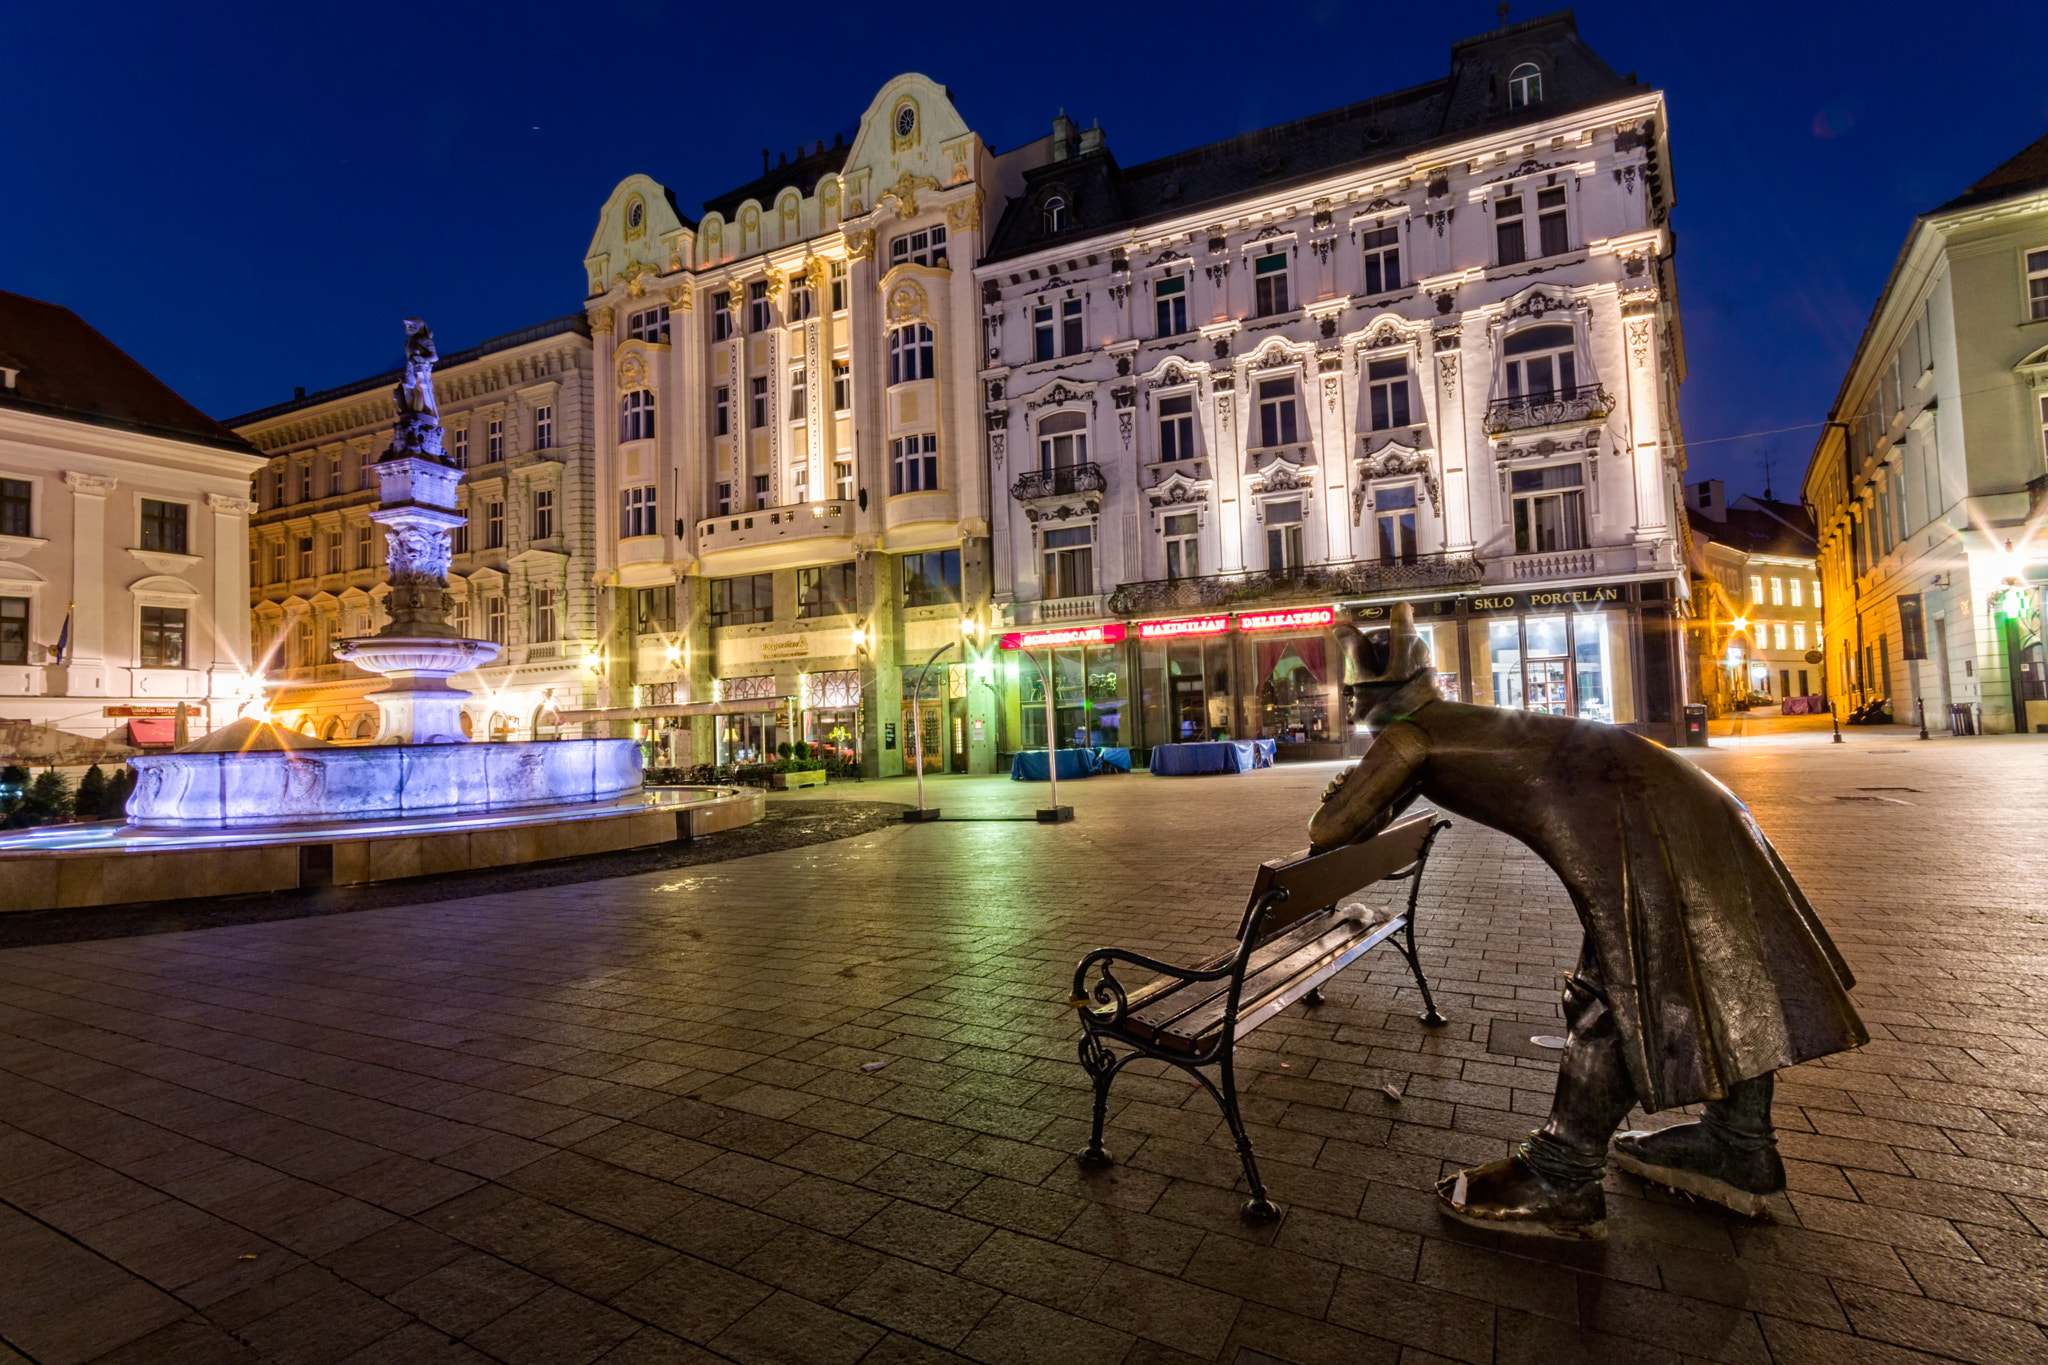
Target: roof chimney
pixel 298 392
pixel 1062 137
pixel 1094 139
pixel 764 161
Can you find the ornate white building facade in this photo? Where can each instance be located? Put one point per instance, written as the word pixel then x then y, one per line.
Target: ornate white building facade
pixel 1422 348
pixel 516 415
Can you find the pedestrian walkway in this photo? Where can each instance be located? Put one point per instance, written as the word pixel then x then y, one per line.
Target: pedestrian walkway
pixel 820 1105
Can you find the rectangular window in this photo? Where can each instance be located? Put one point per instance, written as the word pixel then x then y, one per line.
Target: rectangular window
pixel 798 394
pixel 1182 560
pixel 494 442
pixel 636 416
pixel 544 427
pixel 1551 228
pixel 1170 304
pixel 721 411
pixel 721 316
pixel 931 578
pixel 1072 342
pixel 14 508
pixel 1799 635
pixel 1912 627
pixel 2037 285
pixel 1756 591
pixel 1899 518
pixel 1387 390
pixel 759 315
pixel 842 385
pixel 305 556
pixel 802 480
pixel 334 553
pixel 494 526
pixel 333 475
pixel 163 637
pixel 654 610
pixel 1042 332
pixel 306 481
pixel 637 511
pixel 744 601
pixel 724 499
pixel 543 513
pixel 1284 548
pixel 1550 509
pixel 1507 231
pixel 363 547
pixel 462 537
pixel 760 490
pixel 277 561
pixel 826 590
pixel 842 479
pixel 1777 635
pixel 163 526
pixel 926 246
pixel 1394 513
pixel 800 303
pixel 1177 427
pixel 1382 260
pixel 838 276
pixel 461 455
pixel 1269 284
pixel 914 464
pixel 910 353
pixel 543 616
pixel 13 630
pixel 1069 562
pixel 649 324
pixel 1796 594
pixel 758 391
pixel 494 618
pixel 1276 412
pixel 1777 592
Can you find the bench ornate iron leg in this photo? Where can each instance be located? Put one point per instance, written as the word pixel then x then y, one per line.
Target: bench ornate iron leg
pixel 1101 1065
pixel 1406 941
pixel 1258 1208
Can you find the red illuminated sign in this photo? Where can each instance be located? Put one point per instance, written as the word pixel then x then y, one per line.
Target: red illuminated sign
pixel 1188 625
pixel 1300 618
pixel 1072 635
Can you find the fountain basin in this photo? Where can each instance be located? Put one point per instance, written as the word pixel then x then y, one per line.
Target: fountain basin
pixel 416 654
pixel 319 786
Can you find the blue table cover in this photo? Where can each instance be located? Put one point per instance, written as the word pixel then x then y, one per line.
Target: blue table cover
pixel 1029 766
pixel 1217 756
pixel 1114 759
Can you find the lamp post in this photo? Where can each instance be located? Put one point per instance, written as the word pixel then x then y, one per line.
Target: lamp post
pixel 917 739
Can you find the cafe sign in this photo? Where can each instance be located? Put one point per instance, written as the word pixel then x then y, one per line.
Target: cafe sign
pixel 1057 639
pixel 1187 625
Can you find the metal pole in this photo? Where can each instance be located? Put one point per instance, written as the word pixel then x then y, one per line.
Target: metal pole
pixel 1052 752
pixel 917 734
pixel 1920 705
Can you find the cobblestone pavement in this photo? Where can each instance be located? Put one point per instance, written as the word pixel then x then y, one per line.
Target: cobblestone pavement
pixel 639 1120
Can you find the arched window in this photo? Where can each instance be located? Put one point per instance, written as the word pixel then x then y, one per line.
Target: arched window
pixel 1541 362
pixel 1054 212
pixel 636 416
pixel 1062 441
pixel 910 353
pixel 1525 85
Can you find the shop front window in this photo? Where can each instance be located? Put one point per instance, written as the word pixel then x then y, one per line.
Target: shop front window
pixel 1090 693
pixel 1187 690
pixel 1294 695
pixel 746 738
pixel 1564 665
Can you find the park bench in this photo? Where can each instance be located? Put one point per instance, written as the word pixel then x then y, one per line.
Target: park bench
pixel 1296 934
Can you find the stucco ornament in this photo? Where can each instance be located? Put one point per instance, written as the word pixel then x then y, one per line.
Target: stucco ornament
pixel 1704 970
pixel 418 428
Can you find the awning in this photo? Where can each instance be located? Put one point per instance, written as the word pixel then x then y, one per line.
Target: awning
pixel 693 708
pixel 152 730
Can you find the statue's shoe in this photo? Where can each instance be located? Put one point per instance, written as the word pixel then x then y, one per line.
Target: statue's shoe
pixel 1689 1159
pixel 1510 1195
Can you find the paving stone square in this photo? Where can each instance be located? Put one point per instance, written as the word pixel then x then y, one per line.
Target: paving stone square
pixel 821 1105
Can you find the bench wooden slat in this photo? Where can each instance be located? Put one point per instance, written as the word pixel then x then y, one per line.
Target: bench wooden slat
pixel 1158 1003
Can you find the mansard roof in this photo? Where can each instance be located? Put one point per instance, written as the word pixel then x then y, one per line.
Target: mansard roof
pixel 804 173
pixel 2026 171
pixel 1103 196
pixel 67 369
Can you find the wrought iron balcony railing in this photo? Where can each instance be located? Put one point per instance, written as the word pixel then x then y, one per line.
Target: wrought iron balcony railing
pixel 1562 407
pixel 1062 482
pixel 1352 578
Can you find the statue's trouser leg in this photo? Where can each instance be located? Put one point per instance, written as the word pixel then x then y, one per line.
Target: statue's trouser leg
pixel 1594 1093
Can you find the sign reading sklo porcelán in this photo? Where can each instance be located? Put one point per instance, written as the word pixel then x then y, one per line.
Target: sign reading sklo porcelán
pixel 1072 635
pixel 1186 625
pixel 1299 618
pixel 1540 598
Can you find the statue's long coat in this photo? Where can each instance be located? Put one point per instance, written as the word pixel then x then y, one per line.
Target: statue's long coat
pixel 1716 967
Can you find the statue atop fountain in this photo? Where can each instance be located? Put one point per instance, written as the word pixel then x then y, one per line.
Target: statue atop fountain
pixel 418 650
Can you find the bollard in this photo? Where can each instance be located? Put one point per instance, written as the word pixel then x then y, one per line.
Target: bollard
pixel 1920 705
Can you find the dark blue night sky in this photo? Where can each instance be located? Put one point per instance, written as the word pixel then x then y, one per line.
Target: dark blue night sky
pixel 247 199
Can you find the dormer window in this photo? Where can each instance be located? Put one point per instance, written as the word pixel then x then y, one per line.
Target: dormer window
pixel 1525 85
pixel 1054 215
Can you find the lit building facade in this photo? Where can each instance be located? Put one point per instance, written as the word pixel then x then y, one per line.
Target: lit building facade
pixel 124 512
pixel 1756 628
pixel 516 415
pixel 1424 348
pixel 1930 482
pixel 797 505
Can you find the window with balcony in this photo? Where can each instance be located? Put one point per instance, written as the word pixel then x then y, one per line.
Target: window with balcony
pixel 1550 509
pixel 494 618
pixel 544 630
pixel 1177 427
pixel 543 513
pixel 1069 562
pixel 1062 441
pixel 825 590
pixel 1044 338
pixel 842 479
pixel 1170 305
pixel 931 579
pixel 15 504
pixel 1285 549
pixel 163 526
pixel 2037 284
pixel 799 388
pixel 461 454
pixel 163 637
pixel 760 316
pixel 836 272
pixel 721 315
pixel 1394 517
pixel 1269 284
pixel 1525 86
pixel 744 601
pixel 926 246
pixel 722 499
pixel 544 427
pixel 1276 412
pixel 914 463
pixel 649 324
pixel 760 491
pixel 1182 559
pixel 1387 393
pixel 801 479
pixel 842 385
pixel 638 510
pixel 494 526
pixel 494 441
pixel 636 416
pixel 1509 246
pixel 757 394
pixel 1382 259
pixel 1072 338
pixel 911 353
pixel 1542 363
pixel 13 630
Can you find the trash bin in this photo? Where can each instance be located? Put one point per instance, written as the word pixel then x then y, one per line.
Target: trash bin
pixel 1695 727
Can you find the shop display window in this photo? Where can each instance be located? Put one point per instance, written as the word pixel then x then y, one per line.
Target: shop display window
pixel 1090 694
pixel 1294 692
pixel 1566 665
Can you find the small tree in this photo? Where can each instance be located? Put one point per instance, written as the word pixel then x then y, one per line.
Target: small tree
pixel 91 801
pixel 120 787
pixel 49 797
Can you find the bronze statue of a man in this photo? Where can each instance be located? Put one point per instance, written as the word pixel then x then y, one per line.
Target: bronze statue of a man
pixel 1704 969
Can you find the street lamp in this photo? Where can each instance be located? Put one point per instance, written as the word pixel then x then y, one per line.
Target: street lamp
pixel 917 738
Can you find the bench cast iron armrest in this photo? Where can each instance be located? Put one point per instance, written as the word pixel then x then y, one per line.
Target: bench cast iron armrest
pixel 1109 993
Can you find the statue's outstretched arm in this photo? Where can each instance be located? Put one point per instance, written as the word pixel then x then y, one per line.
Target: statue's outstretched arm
pixel 1366 796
